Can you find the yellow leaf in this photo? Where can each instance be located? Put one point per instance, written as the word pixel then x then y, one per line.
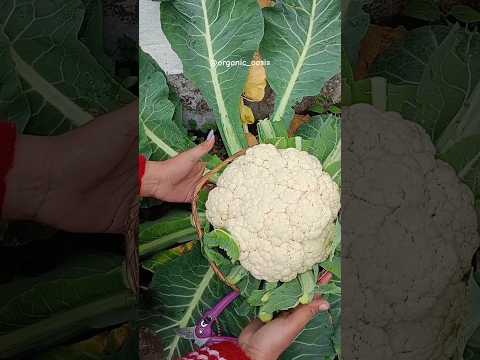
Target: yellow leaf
pixel 254 89
pixel 251 139
pixel 265 3
pixel 246 114
pixel 376 41
pixel 298 121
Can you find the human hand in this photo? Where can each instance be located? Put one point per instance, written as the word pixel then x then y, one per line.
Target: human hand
pixel 175 179
pixel 83 181
pixel 267 341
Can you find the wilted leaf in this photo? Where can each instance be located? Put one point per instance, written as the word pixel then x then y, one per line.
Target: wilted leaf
pixel 165 257
pixel 251 139
pixel 246 114
pixel 254 89
pixel 98 347
pixel 298 121
pixel 377 40
pixel 266 3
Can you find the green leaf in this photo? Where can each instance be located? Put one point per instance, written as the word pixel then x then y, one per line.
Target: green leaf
pixel 220 238
pixel 257 297
pixel 284 297
pixel 472 332
pixel 269 131
pixel 426 10
pixel 237 273
pixel 319 339
pixel 56 82
pixel 159 135
pixel 464 156
pixel 308 282
pixel 443 63
pixel 324 131
pixel 90 31
pixel 173 228
pixel 209 36
pixel 63 303
pixel 302 42
pixel 319 109
pixel 247 285
pixel 465 14
pixel 354 28
pixel 465 123
pixel 405 60
pixel 447 81
pixel 330 288
pixel 333 265
pixel 182 292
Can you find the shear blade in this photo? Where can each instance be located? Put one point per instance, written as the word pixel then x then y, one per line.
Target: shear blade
pixel 186 333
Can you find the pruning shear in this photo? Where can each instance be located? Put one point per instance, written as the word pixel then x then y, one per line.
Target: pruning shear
pixel 203 332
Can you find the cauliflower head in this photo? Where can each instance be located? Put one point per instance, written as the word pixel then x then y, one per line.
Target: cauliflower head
pixel 280 207
pixel 408 242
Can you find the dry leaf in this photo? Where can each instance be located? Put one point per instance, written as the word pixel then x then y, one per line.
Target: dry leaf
pixel 246 114
pixel 254 89
pixel 104 342
pixel 375 42
pixel 266 3
pixel 251 139
pixel 298 120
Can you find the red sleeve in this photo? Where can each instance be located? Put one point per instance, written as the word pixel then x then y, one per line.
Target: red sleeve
pixel 142 161
pixel 226 350
pixel 7 144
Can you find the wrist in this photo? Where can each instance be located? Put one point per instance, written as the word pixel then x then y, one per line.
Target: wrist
pixel 152 179
pixel 27 183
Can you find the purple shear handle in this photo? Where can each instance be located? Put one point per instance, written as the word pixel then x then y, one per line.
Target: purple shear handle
pixel 204 327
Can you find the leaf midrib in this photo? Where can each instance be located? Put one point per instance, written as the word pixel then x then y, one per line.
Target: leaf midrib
pixel 230 135
pixel 296 72
pixel 197 296
pixel 159 142
pixel 52 95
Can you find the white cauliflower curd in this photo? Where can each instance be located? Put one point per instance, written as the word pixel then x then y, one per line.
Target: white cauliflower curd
pixel 280 207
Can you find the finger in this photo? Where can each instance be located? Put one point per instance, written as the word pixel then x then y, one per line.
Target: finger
pixel 250 330
pixel 201 150
pixel 303 314
pixel 196 177
pixel 325 278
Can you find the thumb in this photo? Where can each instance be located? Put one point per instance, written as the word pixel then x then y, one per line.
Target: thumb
pixel 203 149
pixel 303 314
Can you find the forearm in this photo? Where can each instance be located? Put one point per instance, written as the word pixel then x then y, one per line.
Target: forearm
pixel 26 184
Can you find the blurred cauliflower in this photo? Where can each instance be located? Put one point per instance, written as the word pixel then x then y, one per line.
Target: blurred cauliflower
pixel 280 206
pixel 409 234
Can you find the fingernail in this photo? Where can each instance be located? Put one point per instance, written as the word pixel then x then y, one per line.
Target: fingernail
pixel 211 135
pixel 323 305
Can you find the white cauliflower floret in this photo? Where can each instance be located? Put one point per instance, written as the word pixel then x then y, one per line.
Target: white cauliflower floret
pixel 280 206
